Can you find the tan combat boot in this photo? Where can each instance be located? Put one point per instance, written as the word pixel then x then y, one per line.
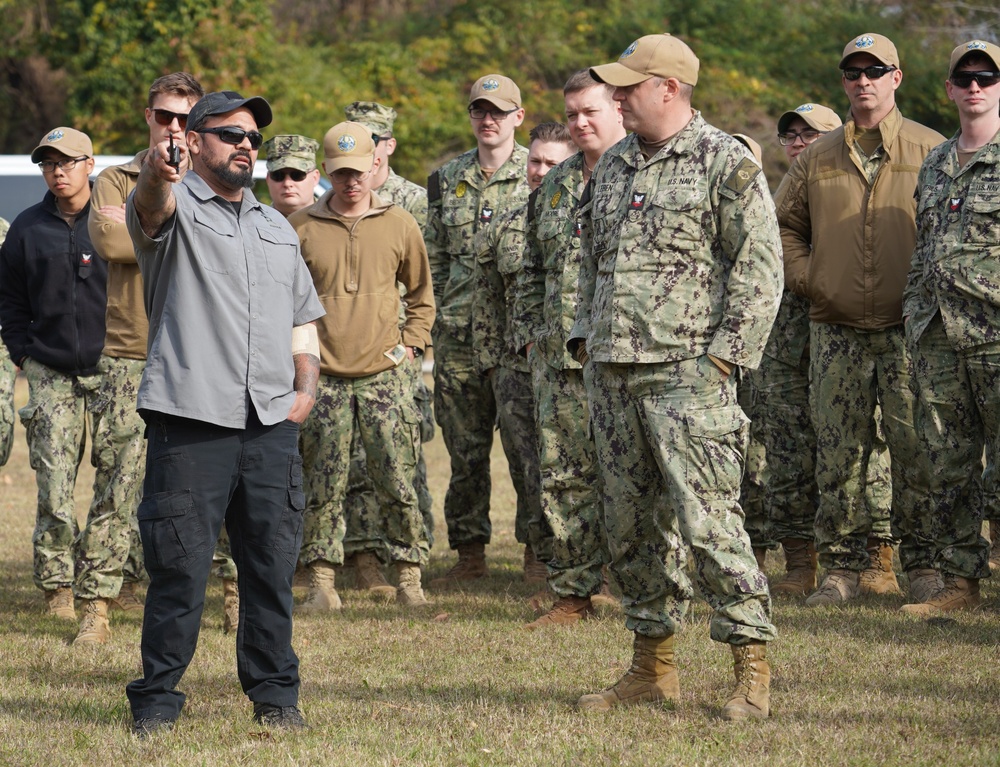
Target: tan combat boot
pixel 652 677
pixel 409 593
pixel 605 598
pixel 60 603
pixel 368 576
pixel 94 627
pixel 760 554
pixel 838 586
pixel 471 565
pixel 128 598
pixel 995 547
pixel 957 594
pixel 878 577
pixel 230 605
pixel 800 568
pixel 323 596
pixel 534 570
pixel 925 583
pixel 751 698
pixel 567 611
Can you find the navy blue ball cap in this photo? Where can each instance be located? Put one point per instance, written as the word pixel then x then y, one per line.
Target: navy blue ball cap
pixel 223 102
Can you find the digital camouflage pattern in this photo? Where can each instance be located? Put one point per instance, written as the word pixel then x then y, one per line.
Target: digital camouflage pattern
pixel 291 151
pixel 60 410
pixel 378 118
pixel 952 300
pixel 756 520
pixel 845 418
pixel 460 203
pixel 109 550
pixel 383 408
pixel 409 196
pixel 681 258
pixel 544 308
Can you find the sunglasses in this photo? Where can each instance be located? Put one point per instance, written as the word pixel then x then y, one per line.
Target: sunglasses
pixel 874 72
pixel 983 79
pixel 165 117
pixel 376 138
pixel 233 135
pixel 280 175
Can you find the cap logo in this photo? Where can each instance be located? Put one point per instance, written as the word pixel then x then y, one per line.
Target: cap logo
pixel 54 136
pixel 866 41
pixel 490 85
pixel 976 45
pixel 346 143
pixel 804 108
pixel 629 51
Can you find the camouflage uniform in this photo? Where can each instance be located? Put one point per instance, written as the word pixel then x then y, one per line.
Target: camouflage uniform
pixel 461 202
pixel 499 258
pixel 755 473
pixel 952 301
pixel 681 259
pixel 544 308
pixel 8 375
pixel 290 151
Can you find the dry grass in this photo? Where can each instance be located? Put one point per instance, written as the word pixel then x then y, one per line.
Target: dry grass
pixel 855 686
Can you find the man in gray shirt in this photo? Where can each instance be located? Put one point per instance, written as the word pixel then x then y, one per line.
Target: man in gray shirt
pixel 231 373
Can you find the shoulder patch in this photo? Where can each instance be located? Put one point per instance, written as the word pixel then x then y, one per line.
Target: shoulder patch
pixel 742 175
pixel 434 187
pixel 532 202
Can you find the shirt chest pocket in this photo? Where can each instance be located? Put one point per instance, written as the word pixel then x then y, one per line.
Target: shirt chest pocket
pixel 675 215
pixel 216 243
pixel 459 223
pixel 982 220
pixel 510 254
pixel 551 226
pixel 280 253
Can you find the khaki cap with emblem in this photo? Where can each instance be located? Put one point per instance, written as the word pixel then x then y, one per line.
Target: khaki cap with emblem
pixel 291 151
pixel 660 55
pixel 348 145
pixel 816 116
pixel 68 141
pixel 879 46
pixel 983 48
pixel 378 118
pixel 500 91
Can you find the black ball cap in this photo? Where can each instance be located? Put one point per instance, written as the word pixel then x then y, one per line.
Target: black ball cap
pixel 223 102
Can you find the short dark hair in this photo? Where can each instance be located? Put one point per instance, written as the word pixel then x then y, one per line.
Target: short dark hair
pixel 975 59
pixel 176 83
pixel 583 80
pixel 550 131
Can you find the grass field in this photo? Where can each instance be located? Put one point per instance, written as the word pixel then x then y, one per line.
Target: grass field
pixel 466 685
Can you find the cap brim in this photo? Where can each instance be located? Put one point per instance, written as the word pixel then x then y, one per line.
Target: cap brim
pixel 36 155
pixel 843 61
pixel 360 164
pixel 499 103
pixel 618 75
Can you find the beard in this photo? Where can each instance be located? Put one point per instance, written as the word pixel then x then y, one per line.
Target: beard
pixel 234 178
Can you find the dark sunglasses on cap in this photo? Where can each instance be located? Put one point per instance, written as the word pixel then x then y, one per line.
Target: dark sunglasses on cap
pixel 165 117
pixel 984 79
pixel 280 175
pixel 230 134
pixel 874 72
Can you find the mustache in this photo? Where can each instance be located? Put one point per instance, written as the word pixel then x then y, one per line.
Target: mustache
pixel 240 153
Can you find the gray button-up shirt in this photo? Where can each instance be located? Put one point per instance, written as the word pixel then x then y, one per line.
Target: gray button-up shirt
pixel 222 293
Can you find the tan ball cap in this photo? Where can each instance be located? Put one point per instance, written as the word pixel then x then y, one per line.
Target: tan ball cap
pixel 500 91
pixel 983 48
pixel 68 141
pixel 816 116
pixel 879 46
pixel 660 55
pixel 348 145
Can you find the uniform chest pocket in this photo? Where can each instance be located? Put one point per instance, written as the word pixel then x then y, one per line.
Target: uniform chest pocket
pixel 281 254
pixel 552 226
pixel 982 220
pixel 510 254
pixel 216 243
pixel 458 220
pixel 677 213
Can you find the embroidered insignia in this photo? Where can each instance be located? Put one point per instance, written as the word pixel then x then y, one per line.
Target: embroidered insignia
pixel 637 200
pixel 460 189
pixel 486 215
pixel 490 85
pixel 865 41
pixel 742 175
pixel 629 51
pixel 804 108
pixel 976 45
pixel 955 204
pixel 86 258
pixel 54 136
pixel 554 202
pixel 577 229
pixel 346 143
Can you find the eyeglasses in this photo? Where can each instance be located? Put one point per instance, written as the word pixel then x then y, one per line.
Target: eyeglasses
pixel 376 138
pixel 281 175
pixel 983 79
pixel 230 134
pixel 49 166
pixel 874 72
pixel 165 117
pixel 344 176
pixel 497 114
pixel 806 136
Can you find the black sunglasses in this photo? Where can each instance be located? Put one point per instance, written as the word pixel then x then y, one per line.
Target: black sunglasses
pixel 376 138
pixel 165 117
pixel 983 79
pixel 874 72
pixel 280 175
pixel 230 134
